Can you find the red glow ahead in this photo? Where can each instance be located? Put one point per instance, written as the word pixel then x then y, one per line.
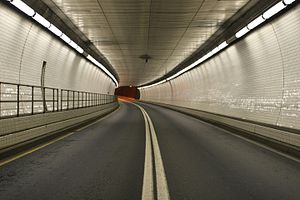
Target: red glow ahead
pixel 126 99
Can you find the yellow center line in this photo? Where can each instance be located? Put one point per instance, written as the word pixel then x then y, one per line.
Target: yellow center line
pixel 161 180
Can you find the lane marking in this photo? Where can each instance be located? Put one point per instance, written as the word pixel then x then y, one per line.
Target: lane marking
pixel 148 186
pixel 20 155
pixel 162 185
pixel 161 180
pixel 283 154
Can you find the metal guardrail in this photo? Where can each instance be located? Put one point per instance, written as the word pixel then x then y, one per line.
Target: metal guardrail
pixel 19 99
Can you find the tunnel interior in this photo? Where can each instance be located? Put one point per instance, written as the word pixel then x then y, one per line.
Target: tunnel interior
pixel 150 99
pixel 128 91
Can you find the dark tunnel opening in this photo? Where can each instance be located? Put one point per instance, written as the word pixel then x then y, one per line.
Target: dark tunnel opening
pixel 128 91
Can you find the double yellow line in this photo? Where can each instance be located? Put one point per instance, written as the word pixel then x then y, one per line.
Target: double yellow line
pixel 152 150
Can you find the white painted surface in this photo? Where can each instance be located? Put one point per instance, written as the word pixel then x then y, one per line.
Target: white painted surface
pixel 160 175
pixel 257 78
pixel 148 191
pixel 24 47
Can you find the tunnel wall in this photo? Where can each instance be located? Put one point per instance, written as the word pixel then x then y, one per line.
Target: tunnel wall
pixel 25 45
pixel 257 78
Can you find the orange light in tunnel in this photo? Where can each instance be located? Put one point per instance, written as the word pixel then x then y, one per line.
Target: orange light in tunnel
pixel 126 99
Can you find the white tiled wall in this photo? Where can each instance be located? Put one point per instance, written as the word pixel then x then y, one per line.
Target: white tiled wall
pixel 24 47
pixel 257 78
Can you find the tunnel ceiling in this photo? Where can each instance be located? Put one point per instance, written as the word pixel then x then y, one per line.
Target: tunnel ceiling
pixel 163 32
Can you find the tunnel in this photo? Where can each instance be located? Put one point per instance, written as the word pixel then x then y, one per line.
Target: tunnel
pixel 149 99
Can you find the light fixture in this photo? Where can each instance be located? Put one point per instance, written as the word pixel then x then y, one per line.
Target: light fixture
pixel 215 50
pixel 199 61
pixel 256 22
pixel 274 10
pixel 23 7
pixel 79 49
pixel 223 45
pixel 208 55
pixel 93 60
pixel 287 2
pixel 148 86
pixel 73 44
pixel 55 30
pixel 40 19
pixel 242 32
pixel 37 17
pixel 65 38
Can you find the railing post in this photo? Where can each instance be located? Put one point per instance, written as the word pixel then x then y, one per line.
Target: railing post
pixel 57 95
pixel 44 99
pixel 86 98
pixel 73 98
pixel 80 99
pixel 32 100
pixel 77 99
pixel 61 99
pixel 18 100
pixel 53 100
pixel 94 102
pixel 97 99
pixel 67 99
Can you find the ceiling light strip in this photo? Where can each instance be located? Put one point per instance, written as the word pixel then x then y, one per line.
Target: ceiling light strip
pixel 253 24
pixel 44 22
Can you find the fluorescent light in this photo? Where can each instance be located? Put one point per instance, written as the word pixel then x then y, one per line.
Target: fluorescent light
pixel 40 19
pixel 274 10
pixel 256 22
pixel 208 55
pixel 79 49
pixel 55 30
pixel 197 62
pixel 65 38
pixel 37 17
pixel 215 50
pixel 288 1
pixel 73 44
pixel 242 32
pixel 223 45
pixel 93 60
pixel 154 84
pixel 23 7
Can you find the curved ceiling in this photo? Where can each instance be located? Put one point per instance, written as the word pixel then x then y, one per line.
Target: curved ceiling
pixel 162 32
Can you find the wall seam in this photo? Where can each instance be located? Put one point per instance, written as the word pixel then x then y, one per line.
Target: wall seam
pixel 283 74
pixel 23 51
